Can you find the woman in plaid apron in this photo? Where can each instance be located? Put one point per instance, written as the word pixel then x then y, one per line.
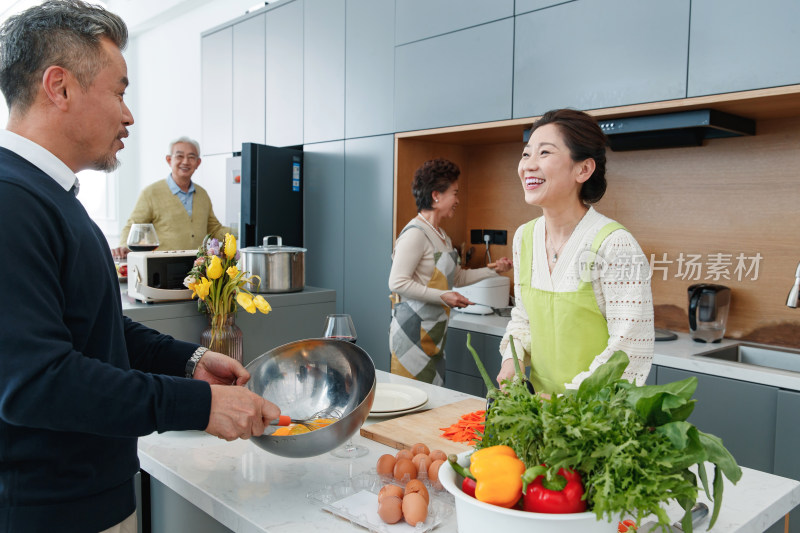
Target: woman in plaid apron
pixel 425 268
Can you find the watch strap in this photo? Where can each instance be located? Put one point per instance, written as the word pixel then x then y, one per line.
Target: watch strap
pixel 191 364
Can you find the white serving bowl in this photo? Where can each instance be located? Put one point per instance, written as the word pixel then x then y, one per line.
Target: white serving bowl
pixel 474 516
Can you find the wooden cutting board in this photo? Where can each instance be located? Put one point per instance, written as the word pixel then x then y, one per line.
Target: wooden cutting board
pixel 405 431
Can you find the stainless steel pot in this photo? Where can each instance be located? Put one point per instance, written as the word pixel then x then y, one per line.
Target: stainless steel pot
pixel 281 268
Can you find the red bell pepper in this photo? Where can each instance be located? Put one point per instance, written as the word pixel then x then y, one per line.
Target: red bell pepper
pixel 468 486
pixel 469 483
pixel 560 495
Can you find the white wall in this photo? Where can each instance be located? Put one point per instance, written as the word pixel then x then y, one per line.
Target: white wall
pixel 164 96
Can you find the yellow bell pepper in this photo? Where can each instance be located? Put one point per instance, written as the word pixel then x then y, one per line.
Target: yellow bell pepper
pixel 498 473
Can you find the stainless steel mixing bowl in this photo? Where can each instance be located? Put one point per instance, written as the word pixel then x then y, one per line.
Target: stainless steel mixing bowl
pixel 306 377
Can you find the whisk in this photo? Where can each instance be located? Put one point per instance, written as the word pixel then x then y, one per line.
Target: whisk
pixel 320 419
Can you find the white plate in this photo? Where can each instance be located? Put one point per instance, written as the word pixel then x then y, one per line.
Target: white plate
pixel 391 398
pixel 397 413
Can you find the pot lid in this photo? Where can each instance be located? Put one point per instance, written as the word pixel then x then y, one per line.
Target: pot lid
pixel 273 248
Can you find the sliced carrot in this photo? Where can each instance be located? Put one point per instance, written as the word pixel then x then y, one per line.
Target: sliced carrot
pixel 466 428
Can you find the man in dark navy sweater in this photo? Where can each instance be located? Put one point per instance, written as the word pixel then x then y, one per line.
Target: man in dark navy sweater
pixel 79 382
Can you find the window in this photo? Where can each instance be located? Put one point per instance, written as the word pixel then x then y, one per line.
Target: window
pixel 98 190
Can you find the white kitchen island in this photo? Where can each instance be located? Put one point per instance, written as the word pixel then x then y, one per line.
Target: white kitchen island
pixel 201 484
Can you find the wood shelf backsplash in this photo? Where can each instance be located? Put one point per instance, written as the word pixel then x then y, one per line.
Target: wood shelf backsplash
pixel 731 198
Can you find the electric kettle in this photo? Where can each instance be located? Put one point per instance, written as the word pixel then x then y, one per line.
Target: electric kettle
pixel 708 311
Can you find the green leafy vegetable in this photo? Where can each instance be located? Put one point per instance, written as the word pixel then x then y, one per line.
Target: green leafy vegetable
pixel 632 445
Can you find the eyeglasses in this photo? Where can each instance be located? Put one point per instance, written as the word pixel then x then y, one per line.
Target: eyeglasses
pixel 180 157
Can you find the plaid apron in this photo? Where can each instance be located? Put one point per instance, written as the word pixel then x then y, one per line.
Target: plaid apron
pixel 418 330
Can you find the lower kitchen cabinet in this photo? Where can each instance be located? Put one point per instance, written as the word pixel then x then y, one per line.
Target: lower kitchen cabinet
pixel 464 383
pixel 172 513
pixel 757 424
pixel 742 414
pixel 294 316
pixel 462 373
pixel 787 435
pixel 652 376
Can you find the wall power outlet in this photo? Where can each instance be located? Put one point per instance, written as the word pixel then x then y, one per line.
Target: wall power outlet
pixel 496 236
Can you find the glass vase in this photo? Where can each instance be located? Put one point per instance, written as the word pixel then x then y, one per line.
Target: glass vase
pixel 224 336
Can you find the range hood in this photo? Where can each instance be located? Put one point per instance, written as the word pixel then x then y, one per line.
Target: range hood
pixel 670 130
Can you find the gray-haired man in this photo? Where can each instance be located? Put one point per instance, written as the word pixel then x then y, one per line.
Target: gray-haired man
pixel 179 209
pixel 79 382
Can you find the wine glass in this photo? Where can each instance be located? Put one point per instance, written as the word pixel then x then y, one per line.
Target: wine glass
pixel 341 327
pixel 142 238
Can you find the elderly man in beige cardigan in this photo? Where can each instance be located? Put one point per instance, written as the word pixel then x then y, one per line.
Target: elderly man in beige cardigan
pixel 179 209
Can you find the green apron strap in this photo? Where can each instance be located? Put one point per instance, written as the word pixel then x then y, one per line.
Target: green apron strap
pixel 526 253
pixel 604 232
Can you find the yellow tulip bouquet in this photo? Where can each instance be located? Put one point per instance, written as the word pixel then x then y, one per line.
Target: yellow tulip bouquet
pixel 218 283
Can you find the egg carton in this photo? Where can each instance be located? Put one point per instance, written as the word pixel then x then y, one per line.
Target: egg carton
pixel 356 499
pixel 422 476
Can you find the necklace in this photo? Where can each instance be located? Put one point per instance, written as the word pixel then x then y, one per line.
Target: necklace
pixel 558 251
pixel 439 232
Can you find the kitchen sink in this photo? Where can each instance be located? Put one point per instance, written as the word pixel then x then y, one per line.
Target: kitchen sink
pixel 753 354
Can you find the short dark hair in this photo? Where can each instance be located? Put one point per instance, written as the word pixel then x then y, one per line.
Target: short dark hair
pixel 66 33
pixel 434 175
pixel 585 140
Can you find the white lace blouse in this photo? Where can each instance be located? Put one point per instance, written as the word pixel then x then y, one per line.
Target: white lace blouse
pixel 621 286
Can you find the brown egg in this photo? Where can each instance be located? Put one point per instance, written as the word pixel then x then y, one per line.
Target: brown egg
pixel 391 509
pixel 437 454
pixel 390 490
pixel 419 448
pixel 385 466
pixel 433 471
pixel 415 508
pixel 404 454
pixel 417 459
pixel 417 486
pixel 403 468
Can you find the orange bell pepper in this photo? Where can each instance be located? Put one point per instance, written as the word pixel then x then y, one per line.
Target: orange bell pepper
pixel 498 472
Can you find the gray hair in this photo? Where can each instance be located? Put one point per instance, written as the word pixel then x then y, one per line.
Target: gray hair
pixel 66 33
pixel 186 140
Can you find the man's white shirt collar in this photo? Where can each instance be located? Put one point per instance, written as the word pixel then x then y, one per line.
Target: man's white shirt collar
pixel 40 157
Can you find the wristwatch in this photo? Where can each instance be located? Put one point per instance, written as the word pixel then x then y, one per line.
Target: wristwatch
pixel 191 364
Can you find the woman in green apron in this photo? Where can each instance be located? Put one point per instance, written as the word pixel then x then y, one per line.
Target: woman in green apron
pixel 581 281
pixel 425 268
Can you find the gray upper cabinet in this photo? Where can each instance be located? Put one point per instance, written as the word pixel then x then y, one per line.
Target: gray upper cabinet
pixel 420 19
pixel 738 45
pixel 323 67
pixel 459 78
pixel 368 203
pixel 284 87
pixel 724 406
pixel 787 435
pixel 593 54
pixel 216 73
pixel 523 6
pixel 249 81
pixel 369 68
pixel 323 216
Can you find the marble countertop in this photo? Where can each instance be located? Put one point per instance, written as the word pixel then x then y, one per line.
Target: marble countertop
pixel 249 490
pixel 681 354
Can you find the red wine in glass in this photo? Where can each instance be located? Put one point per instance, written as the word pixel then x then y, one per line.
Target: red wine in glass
pixel 142 248
pixel 348 338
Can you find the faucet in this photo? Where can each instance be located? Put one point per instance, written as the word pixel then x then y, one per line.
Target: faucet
pixel 791 301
